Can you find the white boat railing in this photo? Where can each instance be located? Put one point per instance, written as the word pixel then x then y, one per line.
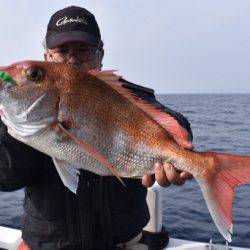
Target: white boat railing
pixel 9 238
pixel 154 200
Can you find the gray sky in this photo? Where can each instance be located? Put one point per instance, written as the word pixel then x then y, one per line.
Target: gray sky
pixel 173 46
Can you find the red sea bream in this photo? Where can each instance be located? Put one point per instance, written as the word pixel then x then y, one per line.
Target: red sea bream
pixel 90 121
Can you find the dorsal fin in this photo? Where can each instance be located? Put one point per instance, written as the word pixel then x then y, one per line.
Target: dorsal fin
pixel 168 122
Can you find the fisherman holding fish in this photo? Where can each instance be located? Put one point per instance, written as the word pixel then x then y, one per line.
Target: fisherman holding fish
pixel 103 213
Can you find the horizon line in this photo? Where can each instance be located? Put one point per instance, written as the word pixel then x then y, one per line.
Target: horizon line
pixel 202 93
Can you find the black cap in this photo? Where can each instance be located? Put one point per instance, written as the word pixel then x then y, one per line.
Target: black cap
pixel 72 24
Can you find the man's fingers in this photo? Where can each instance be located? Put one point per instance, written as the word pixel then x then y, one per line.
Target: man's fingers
pixel 148 180
pixel 160 175
pixel 166 174
pixel 172 175
pixel 185 175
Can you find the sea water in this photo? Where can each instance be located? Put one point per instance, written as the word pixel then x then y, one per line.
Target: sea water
pixel 219 123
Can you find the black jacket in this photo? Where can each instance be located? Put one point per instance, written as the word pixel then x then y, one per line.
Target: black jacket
pixel 102 214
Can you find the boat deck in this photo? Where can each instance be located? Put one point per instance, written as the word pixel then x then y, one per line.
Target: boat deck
pixel 10 239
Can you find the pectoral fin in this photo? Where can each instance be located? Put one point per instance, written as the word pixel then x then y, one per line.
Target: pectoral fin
pixel 68 173
pixel 91 151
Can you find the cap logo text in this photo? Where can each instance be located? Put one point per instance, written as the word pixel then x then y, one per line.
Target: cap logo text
pixel 65 20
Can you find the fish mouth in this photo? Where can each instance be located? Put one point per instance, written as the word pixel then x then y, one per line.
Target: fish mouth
pixel 18 124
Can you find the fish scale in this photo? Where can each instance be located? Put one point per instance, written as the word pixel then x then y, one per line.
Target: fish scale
pixel 103 144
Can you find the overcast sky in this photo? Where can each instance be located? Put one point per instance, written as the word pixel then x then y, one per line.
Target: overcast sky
pixel 173 46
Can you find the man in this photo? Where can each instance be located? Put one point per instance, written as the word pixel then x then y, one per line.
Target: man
pixel 103 213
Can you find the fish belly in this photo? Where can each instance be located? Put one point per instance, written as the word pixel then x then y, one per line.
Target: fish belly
pixel 128 161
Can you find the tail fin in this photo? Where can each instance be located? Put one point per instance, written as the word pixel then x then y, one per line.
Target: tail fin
pixel 217 183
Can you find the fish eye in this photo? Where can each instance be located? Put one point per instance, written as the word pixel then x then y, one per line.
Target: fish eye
pixel 34 74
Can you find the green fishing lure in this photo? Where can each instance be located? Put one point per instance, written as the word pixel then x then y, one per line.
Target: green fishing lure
pixel 6 78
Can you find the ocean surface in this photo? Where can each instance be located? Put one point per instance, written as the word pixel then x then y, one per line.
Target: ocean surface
pixel 219 123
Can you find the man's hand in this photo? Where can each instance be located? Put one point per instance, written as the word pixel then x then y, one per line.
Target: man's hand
pixel 165 175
